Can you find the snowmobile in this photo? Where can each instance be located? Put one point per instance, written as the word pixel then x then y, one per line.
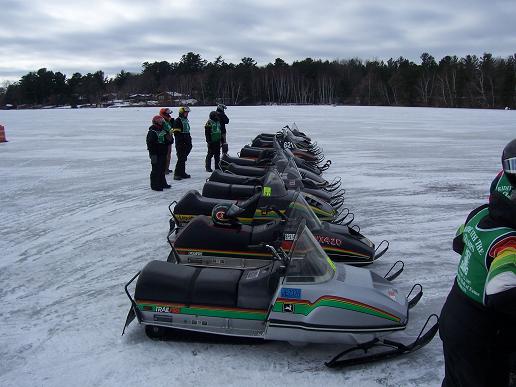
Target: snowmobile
pixel 243 245
pixel 254 153
pixel 230 189
pixel 273 193
pixel 301 296
pixel 264 162
pixel 288 141
pixel 292 180
pixel 281 160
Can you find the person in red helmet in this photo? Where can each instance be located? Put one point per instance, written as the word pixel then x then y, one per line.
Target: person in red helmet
pixel 157 145
pixel 166 114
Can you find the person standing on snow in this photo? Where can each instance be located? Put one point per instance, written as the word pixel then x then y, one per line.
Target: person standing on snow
pixel 212 131
pixel 166 114
pixel 223 120
pixel 478 321
pixel 183 139
pixel 157 145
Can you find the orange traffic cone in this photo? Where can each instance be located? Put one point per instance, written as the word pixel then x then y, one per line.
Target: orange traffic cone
pixel 2 134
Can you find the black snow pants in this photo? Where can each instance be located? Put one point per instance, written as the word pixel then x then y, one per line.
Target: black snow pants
pixel 213 151
pixel 183 148
pixel 475 353
pixel 157 175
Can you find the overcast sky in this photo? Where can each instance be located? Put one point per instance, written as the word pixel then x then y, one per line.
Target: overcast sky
pixel 84 36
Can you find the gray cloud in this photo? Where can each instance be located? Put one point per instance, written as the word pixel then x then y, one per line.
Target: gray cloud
pixel 84 36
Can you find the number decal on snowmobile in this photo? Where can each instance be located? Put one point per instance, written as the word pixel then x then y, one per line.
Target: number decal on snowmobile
pixel 292 293
pixel 290 237
pixel 266 191
pixel 325 240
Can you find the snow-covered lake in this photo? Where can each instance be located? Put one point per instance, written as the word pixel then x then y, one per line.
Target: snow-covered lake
pixel 78 220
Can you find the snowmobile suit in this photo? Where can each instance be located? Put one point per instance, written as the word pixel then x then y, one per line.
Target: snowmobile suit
pixel 183 144
pixel 502 184
pixel 478 319
pixel 212 131
pixel 158 140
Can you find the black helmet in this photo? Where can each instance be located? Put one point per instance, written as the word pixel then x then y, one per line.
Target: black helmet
pixel 509 161
pixel 214 116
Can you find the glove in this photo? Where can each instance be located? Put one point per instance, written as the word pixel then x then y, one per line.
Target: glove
pixel 154 159
pixel 225 147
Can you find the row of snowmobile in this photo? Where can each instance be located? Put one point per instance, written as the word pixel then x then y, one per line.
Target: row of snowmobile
pixel 253 256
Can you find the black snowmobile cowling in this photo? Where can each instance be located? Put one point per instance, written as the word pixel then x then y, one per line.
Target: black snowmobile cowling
pixel 238 245
pixel 300 297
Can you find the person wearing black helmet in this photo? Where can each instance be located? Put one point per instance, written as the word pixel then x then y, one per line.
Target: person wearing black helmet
pixel 183 140
pixel 505 181
pixel 478 320
pixel 157 145
pixel 212 131
pixel 223 120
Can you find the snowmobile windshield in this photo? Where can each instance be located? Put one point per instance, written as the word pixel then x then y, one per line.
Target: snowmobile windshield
pixel 273 185
pixel 288 167
pixel 308 261
pixel 298 210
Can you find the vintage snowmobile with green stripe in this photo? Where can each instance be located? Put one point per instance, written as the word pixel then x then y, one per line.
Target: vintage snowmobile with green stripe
pixel 300 297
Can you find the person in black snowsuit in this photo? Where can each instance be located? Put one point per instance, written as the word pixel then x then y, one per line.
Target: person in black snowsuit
pixel 223 120
pixel 158 140
pixel 213 135
pixel 478 320
pixel 183 142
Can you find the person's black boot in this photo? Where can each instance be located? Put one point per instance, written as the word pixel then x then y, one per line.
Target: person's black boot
pixel 167 186
pixel 177 177
pixel 185 176
pixel 156 189
pixel 208 169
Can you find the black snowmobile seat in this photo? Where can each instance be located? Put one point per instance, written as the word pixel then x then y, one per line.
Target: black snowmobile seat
pixel 193 203
pixel 166 282
pixel 201 233
pixel 240 161
pixel 216 287
pixel 213 189
pixel 230 178
pixel 244 170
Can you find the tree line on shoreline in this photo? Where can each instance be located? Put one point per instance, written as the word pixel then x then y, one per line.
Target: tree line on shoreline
pixel 468 82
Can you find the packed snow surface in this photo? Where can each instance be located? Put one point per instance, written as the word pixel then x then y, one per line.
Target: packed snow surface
pixel 78 220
